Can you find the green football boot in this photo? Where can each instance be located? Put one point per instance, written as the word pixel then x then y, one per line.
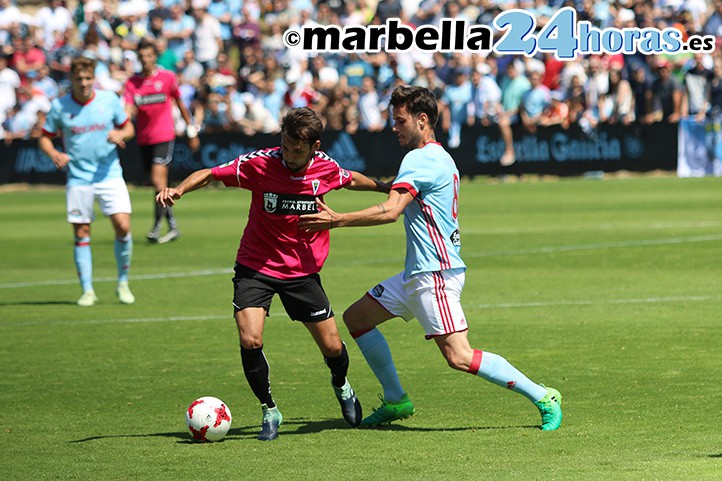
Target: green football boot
pixel 388 412
pixel 272 418
pixel 550 407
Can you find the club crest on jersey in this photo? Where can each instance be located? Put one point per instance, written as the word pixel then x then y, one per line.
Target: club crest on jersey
pixel 270 201
pixel 158 85
pixel 455 238
pixel 315 183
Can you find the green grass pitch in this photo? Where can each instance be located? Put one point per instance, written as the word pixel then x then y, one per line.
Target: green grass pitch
pixel 610 291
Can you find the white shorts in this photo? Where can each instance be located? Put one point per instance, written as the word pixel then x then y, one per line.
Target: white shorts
pixel 112 195
pixel 434 298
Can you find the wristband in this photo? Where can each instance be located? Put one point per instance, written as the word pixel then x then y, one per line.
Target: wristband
pixel 191 132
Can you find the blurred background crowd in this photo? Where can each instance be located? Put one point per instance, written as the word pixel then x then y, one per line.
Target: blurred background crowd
pixel 236 75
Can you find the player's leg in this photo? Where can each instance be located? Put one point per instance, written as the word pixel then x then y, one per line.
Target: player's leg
pixel 362 318
pixel 250 322
pixel 441 314
pixel 114 202
pixel 83 258
pixel 162 156
pixel 80 213
pixel 251 300
pixel 305 300
pixel 328 340
pixel 496 369
pixel 123 250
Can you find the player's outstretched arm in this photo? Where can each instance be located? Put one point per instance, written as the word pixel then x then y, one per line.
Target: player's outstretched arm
pixel 384 213
pixel 360 182
pixel 196 180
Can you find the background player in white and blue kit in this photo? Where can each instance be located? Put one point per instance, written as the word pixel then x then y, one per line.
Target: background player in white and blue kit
pixel 92 123
pixel 426 191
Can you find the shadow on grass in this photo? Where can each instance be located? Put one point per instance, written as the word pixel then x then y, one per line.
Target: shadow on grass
pixel 38 303
pixel 301 426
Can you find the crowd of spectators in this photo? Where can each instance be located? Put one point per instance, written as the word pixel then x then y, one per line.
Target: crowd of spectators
pixel 236 75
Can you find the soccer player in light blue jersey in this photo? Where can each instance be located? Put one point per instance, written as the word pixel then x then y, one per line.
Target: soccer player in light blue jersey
pixel 92 124
pixel 426 191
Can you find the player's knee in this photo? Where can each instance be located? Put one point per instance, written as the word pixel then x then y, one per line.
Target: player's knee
pixel 251 342
pixel 456 361
pixel 352 319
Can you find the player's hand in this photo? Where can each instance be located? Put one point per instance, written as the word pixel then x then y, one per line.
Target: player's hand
pixel 194 143
pixel 167 196
pixel 323 220
pixel 116 137
pixel 60 159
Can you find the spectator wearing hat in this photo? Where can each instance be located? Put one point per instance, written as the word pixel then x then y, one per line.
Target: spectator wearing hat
pixel 668 93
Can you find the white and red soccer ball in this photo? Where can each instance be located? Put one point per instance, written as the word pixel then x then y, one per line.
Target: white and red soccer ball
pixel 208 419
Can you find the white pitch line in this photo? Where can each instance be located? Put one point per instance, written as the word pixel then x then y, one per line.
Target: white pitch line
pixel 138 320
pixel 648 300
pixel 507 305
pixel 601 245
pixel 511 252
pixel 139 277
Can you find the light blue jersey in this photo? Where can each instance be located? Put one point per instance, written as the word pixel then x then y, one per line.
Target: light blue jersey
pixel 85 129
pixel 431 220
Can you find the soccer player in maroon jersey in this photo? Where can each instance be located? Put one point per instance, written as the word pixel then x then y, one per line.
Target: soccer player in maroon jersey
pixel 275 256
pixel 150 95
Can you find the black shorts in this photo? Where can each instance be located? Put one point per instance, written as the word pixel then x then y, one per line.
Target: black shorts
pixel 303 298
pixel 160 154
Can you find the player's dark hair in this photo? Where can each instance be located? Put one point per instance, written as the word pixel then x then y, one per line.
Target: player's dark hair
pixel 302 124
pixel 417 100
pixel 147 43
pixel 82 63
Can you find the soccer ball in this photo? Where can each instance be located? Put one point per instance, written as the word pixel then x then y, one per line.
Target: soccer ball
pixel 208 419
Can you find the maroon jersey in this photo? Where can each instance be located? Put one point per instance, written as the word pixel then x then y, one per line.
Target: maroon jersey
pixel 272 243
